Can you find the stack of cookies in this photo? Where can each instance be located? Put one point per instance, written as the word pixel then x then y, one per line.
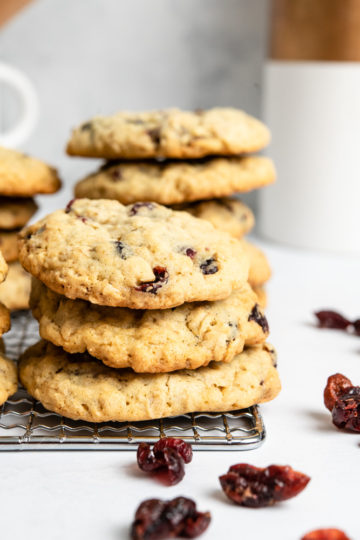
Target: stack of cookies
pixel 21 177
pixel 8 370
pixel 145 312
pixel 193 161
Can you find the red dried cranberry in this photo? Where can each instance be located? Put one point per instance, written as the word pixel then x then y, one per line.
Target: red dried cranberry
pixel 356 325
pixel 121 249
pixel 259 318
pixel 69 205
pixel 209 266
pixel 87 126
pixel 136 207
pixel 326 534
pixel 332 319
pixel 255 487
pixel 116 174
pixel 190 253
pixel 155 135
pixel 166 459
pixel 161 278
pixel 182 447
pixel 346 411
pixel 157 520
pixel 336 385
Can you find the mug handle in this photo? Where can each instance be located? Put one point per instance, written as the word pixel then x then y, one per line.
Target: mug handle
pixel 29 113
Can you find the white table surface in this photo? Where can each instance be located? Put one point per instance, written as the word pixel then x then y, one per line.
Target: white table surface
pixel 93 495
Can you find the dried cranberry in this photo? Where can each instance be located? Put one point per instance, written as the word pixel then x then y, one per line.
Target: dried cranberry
pixel 166 459
pixel 326 534
pixel 161 278
pixel 255 487
pixel 116 174
pixel 155 135
pixel 356 325
pixel 122 249
pixel 209 266
pixel 182 447
pixel 156 520
pixel 332 319
pixel 259 318
pixel 189 252
pixel 87 126
pixel 69 205
pixel 336 385
pixel 136 207
pixel 346 411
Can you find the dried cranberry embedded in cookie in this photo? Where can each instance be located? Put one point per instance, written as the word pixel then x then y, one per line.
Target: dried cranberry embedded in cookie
pixel 136 207
pixel 326 534
pixel 259 318
pixel 156 520
pixel 155 135
pixel 116 174
pixel 209 266
pixel 69 205
pixel 161 278
pixel 254 487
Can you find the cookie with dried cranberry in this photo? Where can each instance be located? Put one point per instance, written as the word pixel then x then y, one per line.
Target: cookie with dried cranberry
pixel 227 214
pixel 82 388
pixel 173 182
pixel 142 256
pixel 24 176
pixel 169 133
pixel 151 341
pixel 8 377
pixel 15 212
pixel 15 291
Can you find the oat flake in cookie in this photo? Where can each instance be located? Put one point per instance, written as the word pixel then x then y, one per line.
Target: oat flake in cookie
pixel 79 387
pixel 142 256
pixel 169 133
pixel 151 341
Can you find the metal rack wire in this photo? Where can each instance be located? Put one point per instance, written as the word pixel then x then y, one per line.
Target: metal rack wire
pixel 26 425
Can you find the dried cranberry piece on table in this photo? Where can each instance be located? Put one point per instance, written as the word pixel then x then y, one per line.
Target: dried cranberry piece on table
pixel 332 319
pixel 156 519
pixel 161 278
pixel 166 459
pixel 326 534
pixel 255 487
pixel 356 325
pixel 342 399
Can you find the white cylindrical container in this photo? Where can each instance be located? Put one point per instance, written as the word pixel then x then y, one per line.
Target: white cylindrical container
pixel 312 106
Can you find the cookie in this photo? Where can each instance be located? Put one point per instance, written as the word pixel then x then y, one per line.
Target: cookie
pixel 142 256
pixel 8 377
pixel 261 296
pixel 9 245
pixel 172 182
pixel 3 268
pixel 81 388
pixel 24 176
pixel 189 336
pixel 169 133
pixel 259 271
pixel 227 214
pixel 4 319
pixel 16 212
pixel 15 292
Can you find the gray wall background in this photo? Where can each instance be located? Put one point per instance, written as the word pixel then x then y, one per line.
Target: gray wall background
pixel 88 57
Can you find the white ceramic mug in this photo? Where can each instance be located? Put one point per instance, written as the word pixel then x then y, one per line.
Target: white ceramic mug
pixel 29 104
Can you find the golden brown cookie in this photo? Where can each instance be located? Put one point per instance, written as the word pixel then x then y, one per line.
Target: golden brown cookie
pixel 261 295
pixel 8 377
pixel 173 182
pixel 260 270
pixel 15 291
pixel 79 387
pixel 15 212
pixel 142 256
pixel 189 336
pixel 170 133
pixel 9 245
pixel 3 268
pixel 24 176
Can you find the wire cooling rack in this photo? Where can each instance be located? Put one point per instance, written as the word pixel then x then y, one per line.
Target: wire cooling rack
pixel 26 425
